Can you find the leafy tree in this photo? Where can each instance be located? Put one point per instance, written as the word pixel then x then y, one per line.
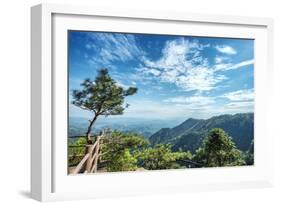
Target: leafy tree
pixel 122 161
pixel 81 141
pixel 219 150
pixel 101 97
pixel 74 153
pixel 161 157
pixel 119 151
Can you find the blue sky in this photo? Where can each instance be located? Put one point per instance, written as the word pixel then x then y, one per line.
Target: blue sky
pixel 176 76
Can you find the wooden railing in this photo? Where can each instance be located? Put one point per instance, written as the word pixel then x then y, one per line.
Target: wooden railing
pixel 89 163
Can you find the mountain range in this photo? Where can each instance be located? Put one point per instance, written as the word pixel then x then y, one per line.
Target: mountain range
pixel 188 135
pixel 146 127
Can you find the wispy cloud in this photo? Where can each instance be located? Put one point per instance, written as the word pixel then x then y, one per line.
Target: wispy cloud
pixel 240 95
pixel 110 47
pixel 153 109
pixel 220 59
pixel 225 49
pixel 163 110
pixel 182 64
pixel 239 101
pixel 125 86
pixel 229 66
pixel 195 100
pixel 199 78
pixel 146 70
pixel 207 106
pixel 239 105
pixel 176 77
pixel 241 64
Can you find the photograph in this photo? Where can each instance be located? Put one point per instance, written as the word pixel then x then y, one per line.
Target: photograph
pixel 141 102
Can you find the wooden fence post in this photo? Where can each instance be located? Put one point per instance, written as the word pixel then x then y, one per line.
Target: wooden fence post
pixel 91 157
pixel 90 160
pixel 97 156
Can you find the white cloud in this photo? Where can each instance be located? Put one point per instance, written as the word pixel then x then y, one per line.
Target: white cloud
pixel 239 101
pixel 206 106
pixel 220 59
pixel 238 105
pixel 114 47
pixel 221 66
pixel 229 66
pixel 182 64
pixel 199 78
pixel 125 86
pixel 194 106
pixel 152 71
pixel 241 64
pixel 194 100
pixel 174 55
pixel 162 110
pixel 225 49
pixel 149 109
pixel 240 95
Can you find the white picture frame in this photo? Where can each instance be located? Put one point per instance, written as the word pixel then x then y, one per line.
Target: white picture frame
pixel 49 178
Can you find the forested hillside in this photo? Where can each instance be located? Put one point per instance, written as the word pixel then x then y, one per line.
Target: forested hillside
pixel 188 136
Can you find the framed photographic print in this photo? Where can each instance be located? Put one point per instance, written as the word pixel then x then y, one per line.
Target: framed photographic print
pixel 127 103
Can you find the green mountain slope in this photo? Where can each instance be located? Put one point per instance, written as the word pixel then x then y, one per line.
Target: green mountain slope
pixel 189 134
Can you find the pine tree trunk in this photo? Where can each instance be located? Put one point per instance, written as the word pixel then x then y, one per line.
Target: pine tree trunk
pixel 88 134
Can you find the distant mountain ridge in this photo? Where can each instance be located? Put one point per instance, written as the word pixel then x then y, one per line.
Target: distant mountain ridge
pixel 189 134
pixel 78 126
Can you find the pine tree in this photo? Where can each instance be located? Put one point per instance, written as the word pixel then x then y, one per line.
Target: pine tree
pixel 219 150
pixel 101 97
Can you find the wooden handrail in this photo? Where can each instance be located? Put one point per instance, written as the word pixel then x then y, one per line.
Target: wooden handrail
pixel 94 168
pixel 96 156
pixel 80 165
pixel 73 146
pixel 90 160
